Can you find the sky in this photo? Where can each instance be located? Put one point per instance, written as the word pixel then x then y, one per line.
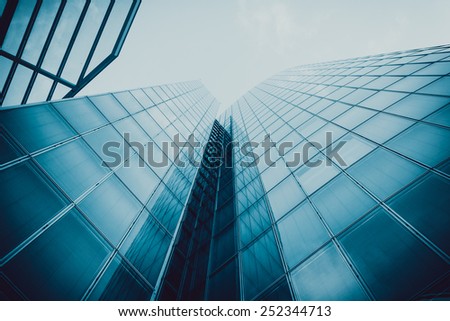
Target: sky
pixel 233 45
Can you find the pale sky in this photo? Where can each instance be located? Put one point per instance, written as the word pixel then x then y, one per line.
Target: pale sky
pixel 232 45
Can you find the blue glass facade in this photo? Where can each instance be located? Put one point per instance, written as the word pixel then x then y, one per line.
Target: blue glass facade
pixel 350 202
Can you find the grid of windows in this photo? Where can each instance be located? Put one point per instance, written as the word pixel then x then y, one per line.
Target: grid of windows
pixel 354 208
pixel 52 49
pixel 92 231
pixel 375 226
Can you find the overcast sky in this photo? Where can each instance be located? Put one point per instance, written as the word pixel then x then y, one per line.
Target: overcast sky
pixel 232 45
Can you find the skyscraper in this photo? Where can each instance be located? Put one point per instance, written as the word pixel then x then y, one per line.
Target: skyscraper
pixel 52 49
pixel 325 182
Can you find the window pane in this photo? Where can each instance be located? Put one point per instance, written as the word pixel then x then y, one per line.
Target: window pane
pixel 120 283
pixel 285 197
pixel 109 107
pixel 60 40
pixel 382 100
pixel 128 102
pixel 427 144
pixel 440 87
pixel 354 148
pixel 18 26
pixel 253 222
pixel 260 265
pixel 73 166
pixel 139 178
pixel 313 178
pixel 394 264
pixel 81 114
pixel 146 247
pixel 8 150
pixel 39 33
pixel 383 127
pixel 341 202
pixel 384 173
pixel 325 276
pixel 425 206
pixel 65 259
pixel 18 86
pixel 412 83
pixel 112 208
pixel 301 233
pixel 418 106
pixel 354 117
pixel 27 203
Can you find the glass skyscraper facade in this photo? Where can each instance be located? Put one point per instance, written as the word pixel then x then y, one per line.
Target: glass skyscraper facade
pixel 325 182
pixel 50 49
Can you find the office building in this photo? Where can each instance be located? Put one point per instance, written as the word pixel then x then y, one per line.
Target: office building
pixel 341 195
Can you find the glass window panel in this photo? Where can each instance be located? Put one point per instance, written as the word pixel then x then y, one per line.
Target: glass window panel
pixel 412 83
pixel 5 66
pixel 427 144
pixel 61 38
pixel 120 283
pixel 357 96
pixel 429 196
pixel 39 33
pixel 312 178
pixel 65 259
pixel 18 86
pixel 383 127
pixel 112 208
pixel 114 155
pixel 354 148
pixel 142 98
pixel 18 26
pixel 153 95
pixel 407 69
pixel 139 178
pixel 27 202
pixel 148 124
pixel 382 82
pixel 223 247
pixel 146 247
pixel 394 264
pixel 111 32
pixel 261 265
pixel 441 117
pixel 438 68
pixel 273 175
pixel 327 277
pixel 128 102
pixel 301 233
pixel 418 106
pixel 109 107
pixel 285 196
pixel 253 222
pixel 354 117
pixel 341 202
pixel 166 207
pixel 85 40
pixel 41 89
pixel 223 285
pixel 36 127
pixel 439 87
pixel 334 110
pixel 382 100
pixel 8 150
pixel 73 166
pixel 384 173
pixel 81 114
